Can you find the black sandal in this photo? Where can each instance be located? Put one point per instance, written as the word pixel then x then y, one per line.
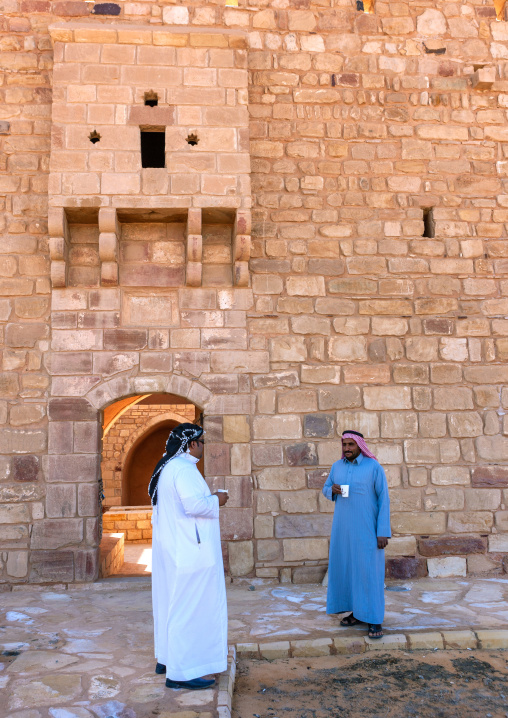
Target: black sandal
pixel 375 628
pixel 349 621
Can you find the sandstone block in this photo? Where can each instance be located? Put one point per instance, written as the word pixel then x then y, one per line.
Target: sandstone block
pixel 398 425
pixel 481 564
pixel 482 499
pixel 498 543
pixel 347 349
pixel 339 397
pixel 241 557
pixel 447 475
pixel 419 523
pixel 60 501
pixel 459 640
pixel 470 522
pixel 318 425
pixel 17 564
pixel 452 546
pixel 299 502
pixel 298 525
pixel 367 423
pixel 54 566
pixel 302 549
pixel 277 427
pixel 303 454
pixel 223 362
pixel 446 567
pixel 236 429
pixel 387 398
pixel 391 642
pixel 267 454
pixel 453 399
pixel 281 479
pixel 489 476
pixel 311 647
pixel 274 650
pixel 297 400
pixel 305 286
pixel 425 641
pixel 240 459
pixel 401 546
pixel 406 567
pixel 289 348
pixel 57 533
pixel 263 527
pixel 493 639
pixel 349 645
pixel 323 374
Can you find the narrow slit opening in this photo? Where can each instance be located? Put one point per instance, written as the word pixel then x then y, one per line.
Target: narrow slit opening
pixel 428 222
pixel 153 148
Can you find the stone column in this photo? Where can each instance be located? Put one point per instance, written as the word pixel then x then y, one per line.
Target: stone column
pixel 109 236
pixel 194 244
pixel 59 239
pixel 241 248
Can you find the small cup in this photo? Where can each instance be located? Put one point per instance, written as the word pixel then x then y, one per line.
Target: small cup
pixel 222 491
pixel 344 490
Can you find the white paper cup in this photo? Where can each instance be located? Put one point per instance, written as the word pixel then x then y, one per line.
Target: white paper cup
pixel 222 491
pixel 344 490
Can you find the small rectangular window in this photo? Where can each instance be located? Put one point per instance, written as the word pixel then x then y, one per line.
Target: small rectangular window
pixel 428 223
pixel 153 148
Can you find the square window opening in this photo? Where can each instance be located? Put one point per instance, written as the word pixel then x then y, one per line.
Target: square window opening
pixel 153 148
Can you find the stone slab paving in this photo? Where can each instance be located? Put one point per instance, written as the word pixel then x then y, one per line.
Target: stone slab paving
pixel 86 651
pixel 273 612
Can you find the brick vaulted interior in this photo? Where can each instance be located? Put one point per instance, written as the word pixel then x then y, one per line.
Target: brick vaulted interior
pixel 317 241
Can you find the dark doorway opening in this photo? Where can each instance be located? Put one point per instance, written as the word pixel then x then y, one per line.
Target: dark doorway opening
pixel 141 462
pixel 153 148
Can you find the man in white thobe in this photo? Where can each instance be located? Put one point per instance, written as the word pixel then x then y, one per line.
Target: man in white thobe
pixel 188 587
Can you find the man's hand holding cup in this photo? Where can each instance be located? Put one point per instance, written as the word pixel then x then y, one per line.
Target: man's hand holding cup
pixel 222 495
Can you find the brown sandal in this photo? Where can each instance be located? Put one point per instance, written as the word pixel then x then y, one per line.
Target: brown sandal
pixel 349 621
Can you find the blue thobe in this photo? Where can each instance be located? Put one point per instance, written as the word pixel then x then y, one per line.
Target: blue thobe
pixel 356 568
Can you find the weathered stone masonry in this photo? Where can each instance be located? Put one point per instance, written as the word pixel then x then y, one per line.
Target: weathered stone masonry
pixel 332 252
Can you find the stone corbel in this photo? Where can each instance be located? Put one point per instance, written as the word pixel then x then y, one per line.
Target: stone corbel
pixel 241 248
pixel 59 240
pixel 194 248
pixel 109 237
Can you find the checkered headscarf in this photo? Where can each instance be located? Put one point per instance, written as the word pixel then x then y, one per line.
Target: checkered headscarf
pixel 177 443
pixel 358 438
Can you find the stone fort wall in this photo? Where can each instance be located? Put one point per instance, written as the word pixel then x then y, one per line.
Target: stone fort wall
pixel 332 253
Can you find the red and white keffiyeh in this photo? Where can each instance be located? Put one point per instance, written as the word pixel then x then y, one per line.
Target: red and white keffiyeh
pixel 360 441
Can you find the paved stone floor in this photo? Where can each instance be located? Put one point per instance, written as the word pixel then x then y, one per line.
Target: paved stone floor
pixel 292 611
pixel 86 652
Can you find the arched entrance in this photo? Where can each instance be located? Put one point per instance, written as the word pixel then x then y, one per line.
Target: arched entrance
pixel 135 431
pixel 141 461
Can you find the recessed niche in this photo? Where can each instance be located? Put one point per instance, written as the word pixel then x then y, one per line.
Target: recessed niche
pixel 151 98
pixel 94 137
pixel 192 139
pixel 153 147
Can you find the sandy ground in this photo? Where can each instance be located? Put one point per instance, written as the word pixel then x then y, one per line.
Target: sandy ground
pixel 436 684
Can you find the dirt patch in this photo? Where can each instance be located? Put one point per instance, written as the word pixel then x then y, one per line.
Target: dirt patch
pixel 436 684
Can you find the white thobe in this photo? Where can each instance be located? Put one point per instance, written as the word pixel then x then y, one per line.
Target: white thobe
pixel 188 586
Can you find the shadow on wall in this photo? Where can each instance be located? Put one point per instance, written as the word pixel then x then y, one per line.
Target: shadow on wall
pixel 141 462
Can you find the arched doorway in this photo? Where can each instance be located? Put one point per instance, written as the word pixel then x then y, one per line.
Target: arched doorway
pixel 141 461
pixel 135 431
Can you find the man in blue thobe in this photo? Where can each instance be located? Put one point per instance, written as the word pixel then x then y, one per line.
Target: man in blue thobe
pixel 360 532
